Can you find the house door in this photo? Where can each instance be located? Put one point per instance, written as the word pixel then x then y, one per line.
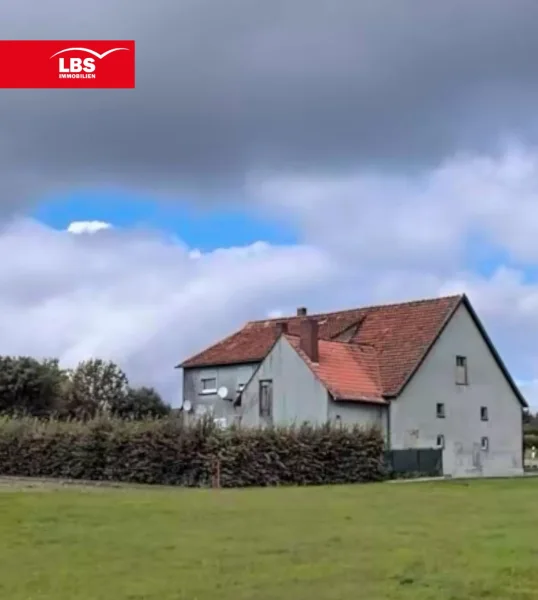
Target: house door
pixel 266 402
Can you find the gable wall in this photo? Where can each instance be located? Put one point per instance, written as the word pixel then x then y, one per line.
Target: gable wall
pixel 413 420
pixel 298 396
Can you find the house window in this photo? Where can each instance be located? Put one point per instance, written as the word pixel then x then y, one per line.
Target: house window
pixel 440 410
pixel 440 441
pixel 209 385
pixel 461 370
pixel 484 443
pixel 240 387
pixel 483 413
pixel 266 398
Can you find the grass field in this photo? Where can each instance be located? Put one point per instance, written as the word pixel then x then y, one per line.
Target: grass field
pixel 438 541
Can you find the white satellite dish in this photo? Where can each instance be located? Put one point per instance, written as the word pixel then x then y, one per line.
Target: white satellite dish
pixel 222 392
pixel 187 406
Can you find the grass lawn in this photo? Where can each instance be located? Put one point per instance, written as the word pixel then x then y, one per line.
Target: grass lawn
pixel 438 541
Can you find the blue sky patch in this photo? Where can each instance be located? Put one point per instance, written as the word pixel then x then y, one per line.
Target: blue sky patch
pixel 484 257
pixel 206 229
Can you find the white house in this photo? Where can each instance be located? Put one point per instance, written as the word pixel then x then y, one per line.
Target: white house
pixel 425 372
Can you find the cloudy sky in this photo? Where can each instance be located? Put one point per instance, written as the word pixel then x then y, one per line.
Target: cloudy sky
pixel 327 153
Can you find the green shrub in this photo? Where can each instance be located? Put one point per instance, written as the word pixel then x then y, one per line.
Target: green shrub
pixel 166 452
pixel 530 440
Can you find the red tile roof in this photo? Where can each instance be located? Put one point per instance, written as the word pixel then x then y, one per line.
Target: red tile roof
pixel 348 371
pixel 399 334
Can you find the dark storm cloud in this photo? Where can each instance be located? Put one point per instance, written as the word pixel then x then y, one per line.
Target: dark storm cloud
pixel 228 87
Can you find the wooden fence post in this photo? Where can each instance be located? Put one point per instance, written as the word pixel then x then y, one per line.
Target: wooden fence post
pixel 216 473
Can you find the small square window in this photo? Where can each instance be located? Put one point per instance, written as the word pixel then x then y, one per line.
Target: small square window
pixel 440 441
pixel 209 385
pixel 484 443
pixel 483 413
pixel 461 370
pixel 440 411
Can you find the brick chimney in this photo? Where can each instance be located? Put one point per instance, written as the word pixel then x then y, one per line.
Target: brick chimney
pixel 281 327
pixel 309 339
pixel 301 311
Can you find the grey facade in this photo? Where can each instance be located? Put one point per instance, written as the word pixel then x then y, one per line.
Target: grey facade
pixel 413 415
pixel 480 429
pixel 293 383
pixel 230 376
pixel 353 413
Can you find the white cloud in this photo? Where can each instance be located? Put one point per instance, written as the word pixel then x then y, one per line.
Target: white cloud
pixel 194 254
pixel 78 227
pixel 149 301
pixel 427 218
pixel 137 298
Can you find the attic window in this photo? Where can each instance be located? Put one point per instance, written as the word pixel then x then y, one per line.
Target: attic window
pixel 209 385
pixel 483 413
pixel 440 410
pixel 461 370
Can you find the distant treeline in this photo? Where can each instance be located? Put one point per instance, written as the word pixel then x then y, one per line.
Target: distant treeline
pixel 43 389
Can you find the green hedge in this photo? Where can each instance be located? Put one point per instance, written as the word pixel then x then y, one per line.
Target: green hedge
pixel 530 440
pixel 165 452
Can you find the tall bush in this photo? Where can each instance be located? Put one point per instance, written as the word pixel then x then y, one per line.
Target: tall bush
pixel 166 452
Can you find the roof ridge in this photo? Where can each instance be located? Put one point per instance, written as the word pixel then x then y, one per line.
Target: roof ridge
pixel 349 310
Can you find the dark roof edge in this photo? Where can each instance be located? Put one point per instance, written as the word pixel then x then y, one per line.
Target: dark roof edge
pixel 466 302
pixel 260 363
pixel 493 351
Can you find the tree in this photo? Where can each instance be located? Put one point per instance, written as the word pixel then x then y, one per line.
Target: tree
pixel 140 403
pixel 530 421
pixel 29 386
pixel 95 386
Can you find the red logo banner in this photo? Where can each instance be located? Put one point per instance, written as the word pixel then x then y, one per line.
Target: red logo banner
pixel 67 64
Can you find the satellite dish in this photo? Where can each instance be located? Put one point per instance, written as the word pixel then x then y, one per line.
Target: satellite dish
pixel 222 392
pixel 187 406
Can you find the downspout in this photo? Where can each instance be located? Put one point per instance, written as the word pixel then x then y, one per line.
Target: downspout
pixel 523 439
pixel 389 444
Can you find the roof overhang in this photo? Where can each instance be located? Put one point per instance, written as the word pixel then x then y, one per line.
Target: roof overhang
pixel 220 364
